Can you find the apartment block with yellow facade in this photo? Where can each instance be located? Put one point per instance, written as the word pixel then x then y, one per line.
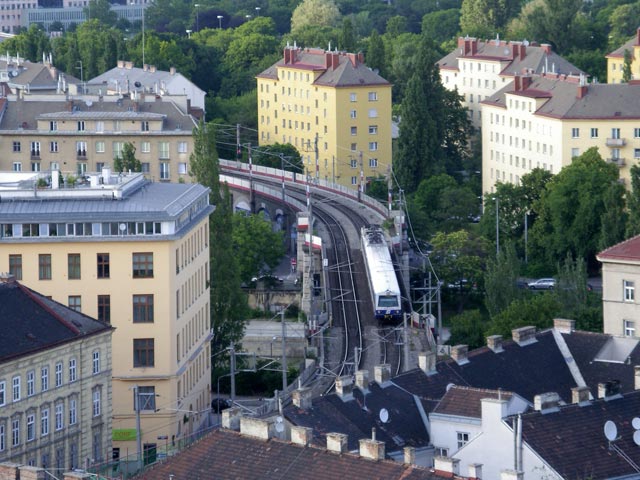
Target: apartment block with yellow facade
pixel 478 69
pixel 78 134
pixel 543 121
pixel 333 108
pixel 135 254
pixel 615 60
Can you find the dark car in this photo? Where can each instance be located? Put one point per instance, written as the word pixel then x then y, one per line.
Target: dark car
pixel 219 404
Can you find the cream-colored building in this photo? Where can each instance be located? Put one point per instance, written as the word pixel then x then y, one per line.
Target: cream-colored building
pixel 333 108
pixel 620 275
pixel 615 60
pixel 79 134
pixel 136 254
pixel 543 121
pixel 55 382
pixel 478 69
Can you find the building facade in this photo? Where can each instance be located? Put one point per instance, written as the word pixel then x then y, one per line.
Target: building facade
pixel 615 60
pixel 478 69
pixel 333 109
pixel 55 382
pixel 543 121
pixel 135 254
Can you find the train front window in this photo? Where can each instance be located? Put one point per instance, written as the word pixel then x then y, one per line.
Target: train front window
pixel 387 301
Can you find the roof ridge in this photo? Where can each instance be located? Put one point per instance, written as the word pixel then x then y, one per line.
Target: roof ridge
pixel 42 304
pixel 628 240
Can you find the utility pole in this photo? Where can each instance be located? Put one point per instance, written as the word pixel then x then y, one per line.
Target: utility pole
pixel 389 189
pixel 238 147
pixel 282 173
pixel 315 148
pixel 136 405
pixel 232 365
pixel 361 187
pixel 251 199
pixel 497 227
pixel 284 353
pixel 405 340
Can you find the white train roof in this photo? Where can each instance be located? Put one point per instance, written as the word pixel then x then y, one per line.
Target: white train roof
pixel 383 276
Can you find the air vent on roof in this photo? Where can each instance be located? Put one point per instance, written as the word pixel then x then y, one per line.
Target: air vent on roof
pixel 31 336
pixel 76 323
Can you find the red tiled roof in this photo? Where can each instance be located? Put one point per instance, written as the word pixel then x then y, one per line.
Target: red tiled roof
pixel 466 401
pixel 627 250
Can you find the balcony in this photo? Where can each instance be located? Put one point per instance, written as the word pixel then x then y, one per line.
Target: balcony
pixel 35 154
pixel 82 155
pixel 620 162
pixel 616 142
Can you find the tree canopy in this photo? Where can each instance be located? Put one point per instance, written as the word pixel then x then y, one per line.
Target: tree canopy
pixel 319 13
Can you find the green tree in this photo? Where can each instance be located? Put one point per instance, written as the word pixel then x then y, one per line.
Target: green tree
pixel 203 161
pixel 626 67
pixel 614 217
pixel 501 281
pixel 577 302
pixel 468 328
pixel 623 20
pixel 257 247
pixel 127 161
pixel 396 26
pixel 347 37
pixel 441 25
pixel 321 13
pixel 375 57
pixel 277 155
pixel 633 203
pixel 101 10
pixel 485 18
pixel 539 310
pixel 29 44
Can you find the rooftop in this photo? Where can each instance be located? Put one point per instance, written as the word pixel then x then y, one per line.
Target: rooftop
pixel 627 251
pixel 465 401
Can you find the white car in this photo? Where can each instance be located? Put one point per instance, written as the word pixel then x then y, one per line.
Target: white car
pixel 542 284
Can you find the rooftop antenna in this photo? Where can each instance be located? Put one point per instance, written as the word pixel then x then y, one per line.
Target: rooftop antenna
pixel 329 49
pixel 497 39
pixel 611 434
pixel 525 42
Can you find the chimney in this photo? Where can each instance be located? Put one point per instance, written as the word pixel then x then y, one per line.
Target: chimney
pixel 475 471
pixel 636 377
pixel 152 68
pixel 301 435
pixel 460 42
pixel 459 354
pixel 7 278
pixel 145 67
pixel 409 455
pixel 582 91
pixel 514 50
pixel 302 398
pixel 256 427
pixel 344 386
pixel 445 466
pixel 69 105
pixel 474 46
pixel 382 373
pixel 580 394
pixel 361 58
pixel 231 418
pixel 427 362
pixel 511 475
pixel 546 48
pixel 337 442
pixel 638 36
pixel 128 65
pixel 352 59
pixel 327 60
pixel 335 60
pixel 172 70
pixel 517 85
pixel 564 325
pixel 371 448
pixel 608 389
pixel 287 55
pixel 522 51
pixel 26 472
pixel 120 63
pixel 524 335
pixel 9 470
pixel 467 46
pixel 494 342
pixel 362 379
pixel 526 81
pixel 546 402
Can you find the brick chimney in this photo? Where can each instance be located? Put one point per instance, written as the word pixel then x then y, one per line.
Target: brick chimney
pixel 120 63
pixel 231 418
pixel 636 377
pixel 69 105
pixel 301 435
pixel 494 342
pixel 152 68
pixel 459 354
pixel 580 394
pixel 546 48
pixel 256 427
pixel 361 58
pixel 302 398
pixel 362 379
pixel 545 402
pixel 371 448
pixel 517 83
pixel 608 389
pixel 475 471
pixel 128 65
pixel 445 466
pixel 522 51
pixel 564 325
pixel 582 91
pixel 409 455
pixel 524 335
pixel 287 55
pixel 467 46
pixel 427 362
pixel 382 373
pixel 638 36
pixel 337 442
pixel 514 50
pixel 344 386
pixel 526 81
pixel 335 60
pixel 172 70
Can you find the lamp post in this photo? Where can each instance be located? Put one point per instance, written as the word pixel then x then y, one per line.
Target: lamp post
pixel 220 17
pixel 197 5
pixel 188 33
pixel 258 11
pixel 248 17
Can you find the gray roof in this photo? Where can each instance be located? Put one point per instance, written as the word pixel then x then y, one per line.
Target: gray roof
pixel 148 78
pixel 152 202
pixel 31 322
pixel 619 52
pixel 601 100
pixel 537 59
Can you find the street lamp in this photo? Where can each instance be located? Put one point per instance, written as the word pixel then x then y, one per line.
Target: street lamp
pixel 220 17
pixel 188 33
pixel 197 5
pixel 248 17
pixel 258 11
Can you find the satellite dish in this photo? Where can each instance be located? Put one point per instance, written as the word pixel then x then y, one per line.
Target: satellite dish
pixel 636 437
pixel 123 227
pixel 384 415
pixel 611 431
pixel 88 103
pixel 279 419
pixel 279 427
pixel 449 386
pixel 14 73
pixel 526 43
pixel 506 51
pixel 636 423
pixel 137 84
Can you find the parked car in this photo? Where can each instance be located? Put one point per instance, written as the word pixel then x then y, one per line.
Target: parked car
pixel 219 404
pixel 542 284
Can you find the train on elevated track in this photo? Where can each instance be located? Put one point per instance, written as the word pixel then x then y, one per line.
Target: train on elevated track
pixel 381 274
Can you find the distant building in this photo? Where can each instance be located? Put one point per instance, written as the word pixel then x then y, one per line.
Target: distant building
pixel 478 69
pixel 55 382
pixel 134 254
pixel 615 60
pixel 333 108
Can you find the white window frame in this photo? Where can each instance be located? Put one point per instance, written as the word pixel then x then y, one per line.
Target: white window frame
pixel 31 427
pixel 100 146
pixel 183 147
pixel 96 402
pixel 58 374
pixel 165 171
pixel 164 150
pixel 44 379
pixel 53 146
pixel 73 411
pixel 3 393
pixel 373 113
pixel 15 432
pixel 353 114
pixel 59 422
pixel 373 129
pixel 44 422
pixel 575 132
pixel 145 147
pixel 73 370
pixel 353 97
pixel 31 383
pixel 373 96
pixel 95 362
pixel 628 291
pixel 15 388
pixel 373 146
pixel 462 439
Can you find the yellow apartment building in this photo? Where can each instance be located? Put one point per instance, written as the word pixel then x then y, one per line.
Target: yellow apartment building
pixel 135 254
pixel 478 69
pixel 543 121
pixel 615 60
pixel 333 109
pixel 79 134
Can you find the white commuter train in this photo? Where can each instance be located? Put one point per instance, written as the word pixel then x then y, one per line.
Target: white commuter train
pixel 383 283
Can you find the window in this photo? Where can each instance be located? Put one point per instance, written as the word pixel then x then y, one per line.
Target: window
pixel 146 167
pixel 463 439
pixel 44 379
pixel 615 133
pixel 35 149
pixel 575 133
pixel 143 265
pixel 594 133
pixel 145 147
pixel 163 150
pixel 144 126
pixel 59 416
pixel 96 402
pixel 3 440
pixel 373 113
pixel 104 308
pixel 117 126
pixel 73 411
pixel 164 171
pixel 441 452
pixel 44 422
pixel 182 147
pixel 31 427
pixel 575 152
pixel 373 96
pixel 629 290
pixel 15 266
pixel 143 309
pixel 354 130
pixel 182 168
pixel 353 114
pixel 117 148
pixel 354 147
pixel 81 125
pixel 353 97
pixel 53 126
pixel 15 432
pixel 373 162
pixel 373 146
pixel 353 163
pixel 75 303
pixel 636 133
pixel 146 398
pixel 99 126
pixel 16 147
pixel 44 266
pixel 3 393
pixel 53 147
pixel 31 383
pixel 16 389
pixel 73 263
pixel 16 166
pixel 354 180
pixel 100 147
pixel 73 370
pixel 95 364
pixel 636 153
pixel 373 129
pixel 143 352
pixel 103 265
pixel 58 374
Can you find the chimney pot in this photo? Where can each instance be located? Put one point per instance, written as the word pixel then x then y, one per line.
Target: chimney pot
pixel 7 278
pixel 564 325
pixel 459 354
pixel 580 394
pixel 301 435
pixel 494 342
pixel 582 91
pixel 337 442
pixel 344 386
pixel 546 47
pixel 382 373
pixel 120 63
pixel 172 70
pixel 427 362
pixel 302 398
pixel 546 401
pixel 524 335
pixel 608 389
pixel 362 379
pixel 409 455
